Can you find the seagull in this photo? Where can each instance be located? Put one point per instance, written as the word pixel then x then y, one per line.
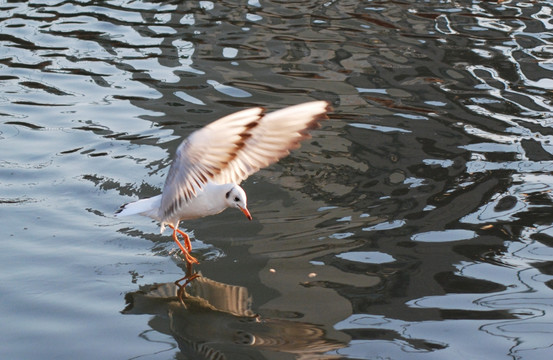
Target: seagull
pixel 211 162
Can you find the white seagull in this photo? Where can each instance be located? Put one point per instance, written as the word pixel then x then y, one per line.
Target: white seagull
pixel 209 165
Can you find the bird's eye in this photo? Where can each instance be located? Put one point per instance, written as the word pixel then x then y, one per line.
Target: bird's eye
pixel 236 199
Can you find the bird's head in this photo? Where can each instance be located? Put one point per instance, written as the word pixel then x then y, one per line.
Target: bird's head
pixel 236 198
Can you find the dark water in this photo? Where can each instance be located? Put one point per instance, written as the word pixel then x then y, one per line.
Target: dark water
pixel 416 224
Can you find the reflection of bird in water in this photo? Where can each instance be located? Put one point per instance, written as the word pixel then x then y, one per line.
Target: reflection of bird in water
pixel 208 166
pixel 215 321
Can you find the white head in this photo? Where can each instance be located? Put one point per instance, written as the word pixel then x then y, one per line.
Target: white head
pixel 236 198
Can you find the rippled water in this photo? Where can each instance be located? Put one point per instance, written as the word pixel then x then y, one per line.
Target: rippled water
pixel 416 224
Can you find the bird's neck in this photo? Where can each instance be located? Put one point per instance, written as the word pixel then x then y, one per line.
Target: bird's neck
pixel 215 195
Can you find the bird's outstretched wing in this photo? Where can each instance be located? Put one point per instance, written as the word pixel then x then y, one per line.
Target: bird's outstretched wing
pixel 273 137
pixel 230 149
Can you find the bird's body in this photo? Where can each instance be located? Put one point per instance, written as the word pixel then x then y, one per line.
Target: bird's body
pixel 209 165
pixel 207 202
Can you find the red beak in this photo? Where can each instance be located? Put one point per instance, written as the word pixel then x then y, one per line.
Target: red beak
pixel 247 213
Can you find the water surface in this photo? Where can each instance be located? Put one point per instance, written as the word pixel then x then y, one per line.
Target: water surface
pixel 415 224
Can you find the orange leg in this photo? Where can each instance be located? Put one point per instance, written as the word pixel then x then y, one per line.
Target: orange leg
pixel 185 250
pixel 186 239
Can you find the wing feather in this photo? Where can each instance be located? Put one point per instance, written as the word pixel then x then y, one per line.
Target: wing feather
pixel 272 139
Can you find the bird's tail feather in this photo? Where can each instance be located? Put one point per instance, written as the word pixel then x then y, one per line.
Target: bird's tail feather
pixel 147 207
